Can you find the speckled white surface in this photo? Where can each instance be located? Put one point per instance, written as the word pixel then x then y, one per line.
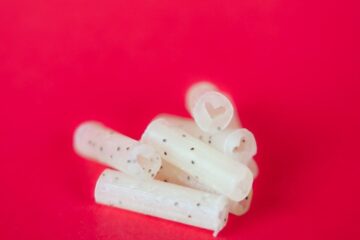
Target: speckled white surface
pixel 161 199
pixel 210 166
pixel 172 174
pixel 239 144
pixel 95 141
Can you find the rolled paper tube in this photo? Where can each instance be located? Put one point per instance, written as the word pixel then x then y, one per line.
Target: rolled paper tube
pixel 92 140
pixel 163 200
pixel 214 169
pixel 211 110
pixel 238 143
pixel 170 173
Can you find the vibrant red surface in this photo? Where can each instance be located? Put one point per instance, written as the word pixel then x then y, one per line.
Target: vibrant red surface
pixel 292 67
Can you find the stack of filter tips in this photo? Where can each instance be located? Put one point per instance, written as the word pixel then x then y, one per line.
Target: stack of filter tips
pixel 193 171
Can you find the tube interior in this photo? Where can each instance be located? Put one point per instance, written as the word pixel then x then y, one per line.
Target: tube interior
pixel 213 112
pixel 147 158
pixel 241 145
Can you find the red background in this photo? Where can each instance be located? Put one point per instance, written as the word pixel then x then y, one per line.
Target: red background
pixel 292 67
